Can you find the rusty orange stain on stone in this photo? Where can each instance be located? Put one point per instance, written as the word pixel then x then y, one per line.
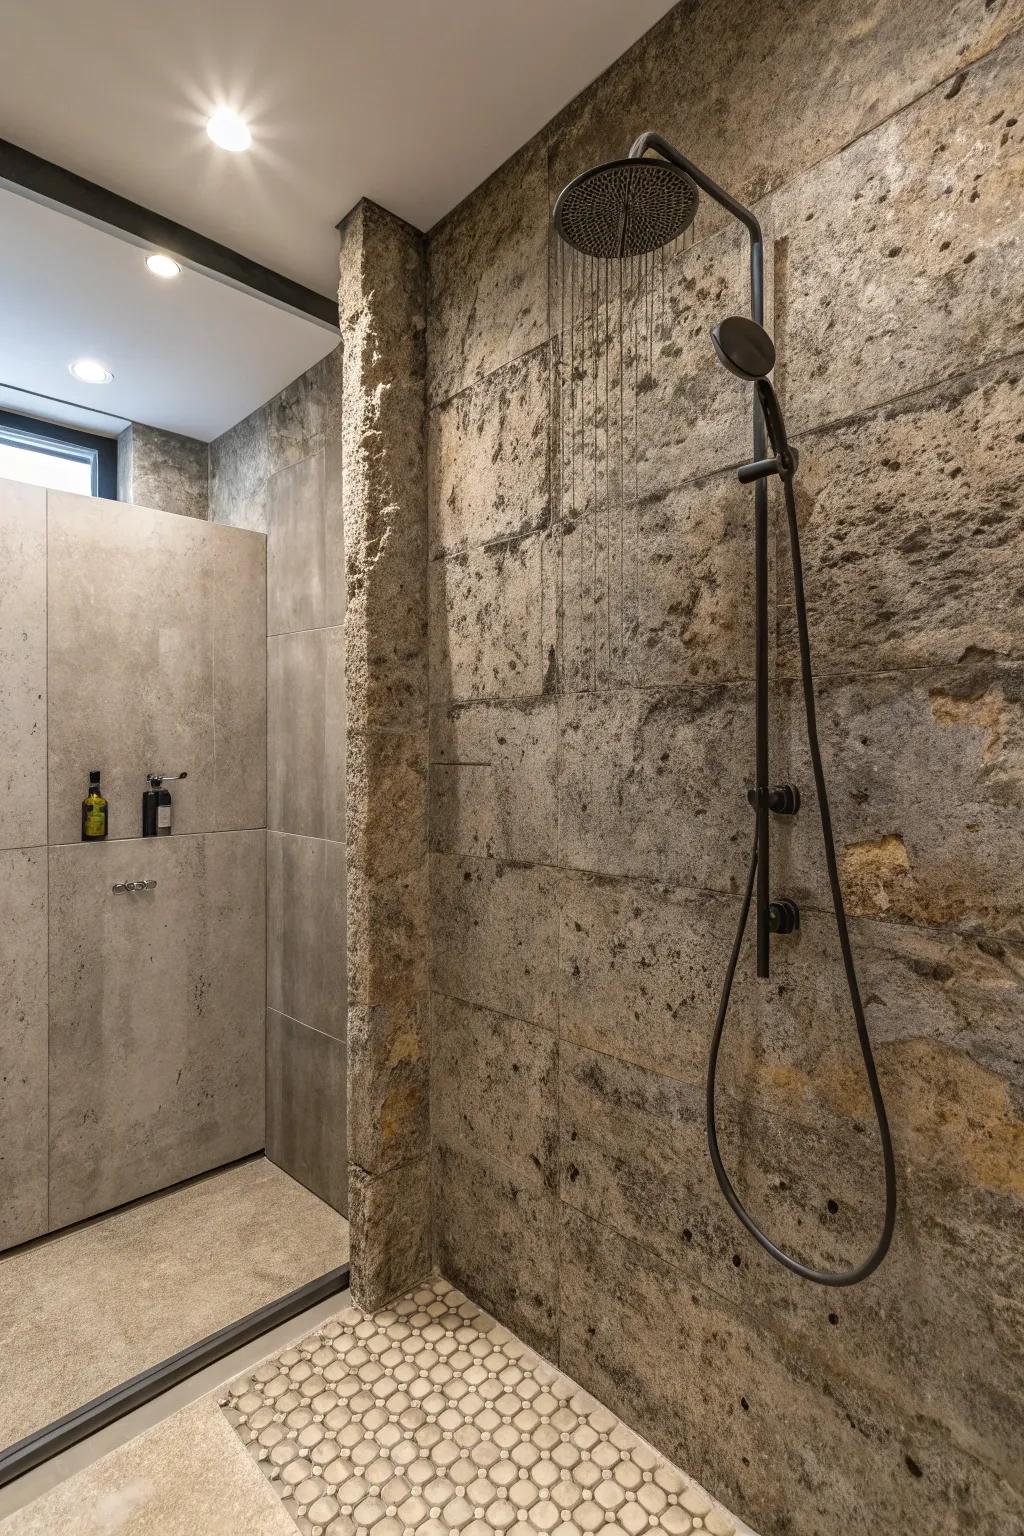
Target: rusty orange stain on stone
pixel 398 1108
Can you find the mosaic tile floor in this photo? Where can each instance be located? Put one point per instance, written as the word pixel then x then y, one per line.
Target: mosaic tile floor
pixel 431 1417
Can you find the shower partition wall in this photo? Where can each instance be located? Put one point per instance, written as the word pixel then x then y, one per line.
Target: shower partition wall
pixel 131 1046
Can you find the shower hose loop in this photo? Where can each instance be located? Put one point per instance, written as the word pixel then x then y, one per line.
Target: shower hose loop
pixel 871 1263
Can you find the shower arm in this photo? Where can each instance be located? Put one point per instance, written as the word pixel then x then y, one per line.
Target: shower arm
pixel 667 151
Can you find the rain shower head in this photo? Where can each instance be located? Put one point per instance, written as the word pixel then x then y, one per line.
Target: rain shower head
pixel 625 208
pixel 744 347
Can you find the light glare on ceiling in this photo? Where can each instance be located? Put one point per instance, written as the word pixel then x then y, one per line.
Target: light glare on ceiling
pixel 227 130
pixel 88 371
pixel 162 266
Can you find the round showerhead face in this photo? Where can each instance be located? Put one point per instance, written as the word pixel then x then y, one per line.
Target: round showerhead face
pixel 744 347
pixel 625 208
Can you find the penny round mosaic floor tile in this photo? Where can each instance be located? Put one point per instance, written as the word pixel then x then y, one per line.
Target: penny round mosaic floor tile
pixel 431 1417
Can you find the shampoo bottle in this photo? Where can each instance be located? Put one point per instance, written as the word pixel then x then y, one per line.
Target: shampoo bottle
pixel 157 806
pixel 94 811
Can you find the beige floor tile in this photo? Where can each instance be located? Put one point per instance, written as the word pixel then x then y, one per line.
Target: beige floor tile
pixel 83 1311
pixel 186 1477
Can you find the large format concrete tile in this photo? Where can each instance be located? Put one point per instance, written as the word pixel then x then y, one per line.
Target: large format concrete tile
pixel 22 664
pixel 93 1306
pixel 306 733
pixel 156 1015
pixel 306 953
pixel 305 560
pixel 187 1476
pixel 239 679
pixel 23 1071
pixel 130 661
pixel 155 665
pixel 306 1107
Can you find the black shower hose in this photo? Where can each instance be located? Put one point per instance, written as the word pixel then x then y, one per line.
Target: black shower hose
pixel 871 1263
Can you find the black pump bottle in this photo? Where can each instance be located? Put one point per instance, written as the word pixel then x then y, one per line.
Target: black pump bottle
pixel 157 806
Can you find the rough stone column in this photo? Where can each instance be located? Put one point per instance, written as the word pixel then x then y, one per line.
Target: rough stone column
pixel 382 309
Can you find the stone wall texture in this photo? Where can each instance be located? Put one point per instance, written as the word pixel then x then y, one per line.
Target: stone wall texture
pixel 163 470
pixel 587 825
pixel 382 309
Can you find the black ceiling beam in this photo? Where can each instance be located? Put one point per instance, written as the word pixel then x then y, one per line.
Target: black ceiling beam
pixel 53 184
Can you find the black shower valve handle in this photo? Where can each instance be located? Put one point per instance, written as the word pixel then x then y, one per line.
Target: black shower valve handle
pixel 783 464
pixel 784 916
pixel 783 799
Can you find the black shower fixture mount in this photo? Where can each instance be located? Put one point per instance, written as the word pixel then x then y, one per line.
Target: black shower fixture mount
pixel 624 211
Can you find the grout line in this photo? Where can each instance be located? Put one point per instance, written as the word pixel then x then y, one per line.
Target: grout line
pixel 313 1028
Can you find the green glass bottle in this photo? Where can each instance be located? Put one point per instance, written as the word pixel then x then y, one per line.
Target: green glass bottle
pixel 94 811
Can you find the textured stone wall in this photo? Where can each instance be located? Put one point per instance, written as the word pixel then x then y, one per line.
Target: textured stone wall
pixel 381 305
pixel 587 823
pixel 163 470
pixel 279 471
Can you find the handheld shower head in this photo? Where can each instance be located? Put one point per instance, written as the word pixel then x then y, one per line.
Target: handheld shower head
pixel 744 347
pixel 625 208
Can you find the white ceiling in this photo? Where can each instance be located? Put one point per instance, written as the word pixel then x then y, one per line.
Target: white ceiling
pixel 193 355
pixel 409 102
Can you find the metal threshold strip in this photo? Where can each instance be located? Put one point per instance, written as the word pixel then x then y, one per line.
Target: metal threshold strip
pixel 113 1404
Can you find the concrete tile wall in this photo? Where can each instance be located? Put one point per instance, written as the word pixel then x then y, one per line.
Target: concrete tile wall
pixel 22 664
pixel 23 1030
pixel 279 471
pixel 131 1028
pixel 137 603
pixel 591 740
pixel 156 1015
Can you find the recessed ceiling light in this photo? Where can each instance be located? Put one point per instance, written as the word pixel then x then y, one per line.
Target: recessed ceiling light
pixel 162 266
pixel 227 129
pixel 88 371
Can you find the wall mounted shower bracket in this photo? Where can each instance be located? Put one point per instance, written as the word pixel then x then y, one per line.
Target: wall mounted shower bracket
pixel 622 211
pixel 783 799
pixel 667 151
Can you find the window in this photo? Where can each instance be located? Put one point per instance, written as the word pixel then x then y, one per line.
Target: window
pixel 61 458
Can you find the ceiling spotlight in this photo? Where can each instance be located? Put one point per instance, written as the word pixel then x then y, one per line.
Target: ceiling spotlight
pixel 88 371
pixel 162 266
pixel 227 129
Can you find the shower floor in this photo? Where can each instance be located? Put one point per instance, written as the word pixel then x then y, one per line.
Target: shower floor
pixel 431 1417
pixel 84 1310
pixel 427 1417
